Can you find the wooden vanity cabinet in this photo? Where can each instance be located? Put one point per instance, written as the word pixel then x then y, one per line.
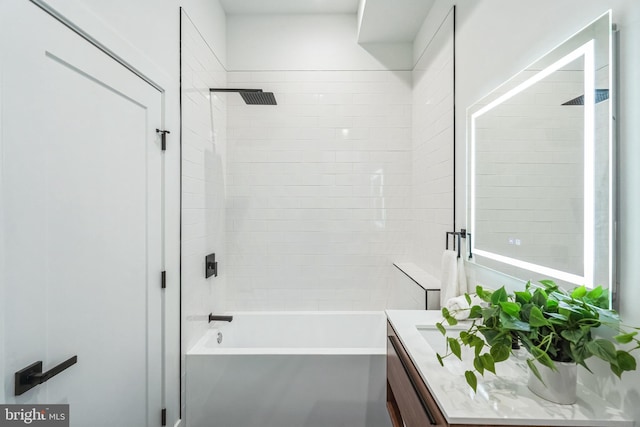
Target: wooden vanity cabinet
pixel 409 402
pixel 408 399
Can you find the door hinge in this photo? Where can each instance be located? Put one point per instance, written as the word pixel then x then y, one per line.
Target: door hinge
pixel 163 416
pixel 163 279
pixel 163 138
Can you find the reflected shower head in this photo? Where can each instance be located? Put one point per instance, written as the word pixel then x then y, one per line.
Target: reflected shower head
pixel 251 96
pixel 601 95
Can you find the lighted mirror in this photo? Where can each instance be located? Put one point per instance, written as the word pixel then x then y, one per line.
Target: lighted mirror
pixel 541 166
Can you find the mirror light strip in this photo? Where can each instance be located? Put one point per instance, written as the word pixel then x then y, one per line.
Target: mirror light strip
pixel 612 179
pixel 547 271
pixel 589 161
pixel 586 50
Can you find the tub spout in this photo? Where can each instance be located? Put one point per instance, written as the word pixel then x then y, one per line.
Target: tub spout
pixel 213 317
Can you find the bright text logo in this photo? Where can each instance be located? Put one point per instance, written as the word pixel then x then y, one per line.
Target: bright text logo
pixel 34 415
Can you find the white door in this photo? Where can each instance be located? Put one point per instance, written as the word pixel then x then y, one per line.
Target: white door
pixel 80 223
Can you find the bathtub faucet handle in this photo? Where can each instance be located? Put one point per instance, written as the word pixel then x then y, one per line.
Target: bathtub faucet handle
pixel 213 317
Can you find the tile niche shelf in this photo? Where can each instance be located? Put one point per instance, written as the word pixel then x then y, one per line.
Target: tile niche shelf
pixel 414 288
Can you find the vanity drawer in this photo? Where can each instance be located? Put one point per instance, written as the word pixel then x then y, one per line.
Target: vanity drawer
pixel 408 392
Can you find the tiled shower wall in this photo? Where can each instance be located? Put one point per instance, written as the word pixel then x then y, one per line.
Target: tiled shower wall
pixel 319 189
pixel 432 142
pixel 204 143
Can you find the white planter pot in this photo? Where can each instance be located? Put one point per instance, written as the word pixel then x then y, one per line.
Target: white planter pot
pixel 559 386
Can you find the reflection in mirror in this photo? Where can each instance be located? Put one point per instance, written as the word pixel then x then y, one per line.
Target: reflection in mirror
pixel 540 166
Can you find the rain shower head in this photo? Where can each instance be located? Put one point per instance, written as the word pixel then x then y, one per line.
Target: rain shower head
pixel 251 96
pixel 601 95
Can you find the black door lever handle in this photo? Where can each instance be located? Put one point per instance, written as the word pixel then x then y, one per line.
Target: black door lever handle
pixel 31 376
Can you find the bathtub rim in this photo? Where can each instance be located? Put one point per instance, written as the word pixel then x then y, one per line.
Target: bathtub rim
pixel 199 349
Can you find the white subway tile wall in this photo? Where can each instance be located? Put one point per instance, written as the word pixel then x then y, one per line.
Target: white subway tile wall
pixel 204 146
pixel 319 189
pixel 405 294
pixel 432 159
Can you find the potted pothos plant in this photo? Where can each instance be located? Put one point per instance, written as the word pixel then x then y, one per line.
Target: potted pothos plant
pixel 555 327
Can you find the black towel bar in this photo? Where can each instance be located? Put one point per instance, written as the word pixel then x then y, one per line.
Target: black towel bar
pixel 462 234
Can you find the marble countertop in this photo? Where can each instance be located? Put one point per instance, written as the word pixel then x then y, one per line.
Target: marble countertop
pixel 503 399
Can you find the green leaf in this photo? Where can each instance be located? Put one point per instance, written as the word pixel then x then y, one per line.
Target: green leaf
pixel 626 362
pixel 595 293
pixel 542 357
pixel 539 298
pixel 579 292
pixel 467 298
pixel 441 328
pixel 579 353
pixel 625 338
pixel 514 324
pixel 616 370
pixel 478 345
pixel 499 296
pixel 551 305
pixel 570 308
pixel 598 297
pixel 536 318
pixel 451 320
pixel 549 285
pixel 510 308
pixel 525 339
pixel 465 337
pixel 525 310
pixel 455 347
pixel 496 337
pixel 492 336
pixel 572 335
pixel 489 312
pixel 484 295
pixel 477 363
pixel 488 363
pixel 560 317
pixel 440 359
pixel 475 312
pixel 522 297
pixel 445 312
pixel 476 341
pixel 535 370
pixel 500 352
pixel 471 380
pixel 603 349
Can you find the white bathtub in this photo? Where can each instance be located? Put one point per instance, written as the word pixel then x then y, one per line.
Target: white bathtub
pixel 290 369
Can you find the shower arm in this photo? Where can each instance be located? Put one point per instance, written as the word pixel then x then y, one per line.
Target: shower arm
pixel 215 89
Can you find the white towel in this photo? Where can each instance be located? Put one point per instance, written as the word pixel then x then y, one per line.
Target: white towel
pixel 462 278
pixel 459 308
pixel 449 279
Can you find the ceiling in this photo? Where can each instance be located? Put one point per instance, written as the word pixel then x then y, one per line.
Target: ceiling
pixel 233 7
pixel 386 21
pixel 380 21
